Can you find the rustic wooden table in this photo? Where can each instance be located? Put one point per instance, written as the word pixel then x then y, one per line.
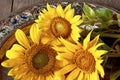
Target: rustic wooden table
pixel 9 6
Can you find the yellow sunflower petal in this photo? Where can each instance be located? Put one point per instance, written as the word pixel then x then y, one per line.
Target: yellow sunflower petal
pixel 58 64
pixel 35 77
pixel 86 41
pixel 75 37
pixel 67 69
pixel 78 22
pixel 99 60
pixel 100 69
pixel 12 71
pixel 61 49
pixel 26 77
pixel 41 16
pixel 76 33
pixel 70 46
pixel 6 64
pixel 73 75
pixel 35 33
pixel 37 20
pixel 51 13
pixel 93 42
pixel 32 76
pixel 75 19
pixel 17 47
pixel 13 54
pixel 63 62
pixel 87 77
pixel 60 11
pixel 41 77
pixel 99 44
pixel 94 75
pixel 55 42
pixel 58 76
pixel 48 7
pixel 69 15
pixel 80 77
pixel 67 56
pixel 94 48
pixel 23 69
pixel 98 53
pixel 21 38
pixel 50 77
pixel 67 8
pixel 12 62
pixel 45 40
pixel 44 11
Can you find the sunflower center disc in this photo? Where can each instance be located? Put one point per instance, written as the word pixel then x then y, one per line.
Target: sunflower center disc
pixel 40 60
pixel 60 27
pixel 85 61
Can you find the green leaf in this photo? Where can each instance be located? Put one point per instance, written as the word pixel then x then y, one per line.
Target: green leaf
pixel 104 14
pixel 89 12
pixel 118 16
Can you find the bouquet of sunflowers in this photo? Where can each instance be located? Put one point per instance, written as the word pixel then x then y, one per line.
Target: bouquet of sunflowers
pixel 62 45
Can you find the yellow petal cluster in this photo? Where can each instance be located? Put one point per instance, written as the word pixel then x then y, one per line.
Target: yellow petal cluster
pixel 46 19
pixel 73 53
pixel 51 50
pixel 17 57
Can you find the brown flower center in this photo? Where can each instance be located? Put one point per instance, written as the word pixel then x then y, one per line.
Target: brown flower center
pixel 40 58
pixel 60 27
pixel 85 61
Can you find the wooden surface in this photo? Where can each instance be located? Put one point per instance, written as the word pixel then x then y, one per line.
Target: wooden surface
pixel 5 8
pixel 8 6
pixel 21 4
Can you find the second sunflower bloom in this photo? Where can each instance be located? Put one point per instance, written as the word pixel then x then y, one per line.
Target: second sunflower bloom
pixel 59 22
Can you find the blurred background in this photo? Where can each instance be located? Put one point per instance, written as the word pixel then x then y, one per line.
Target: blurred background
pixel 8 7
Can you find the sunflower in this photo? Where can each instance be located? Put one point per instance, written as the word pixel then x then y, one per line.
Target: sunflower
pixel 81 61
pixel 58 22
pixel 29 59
